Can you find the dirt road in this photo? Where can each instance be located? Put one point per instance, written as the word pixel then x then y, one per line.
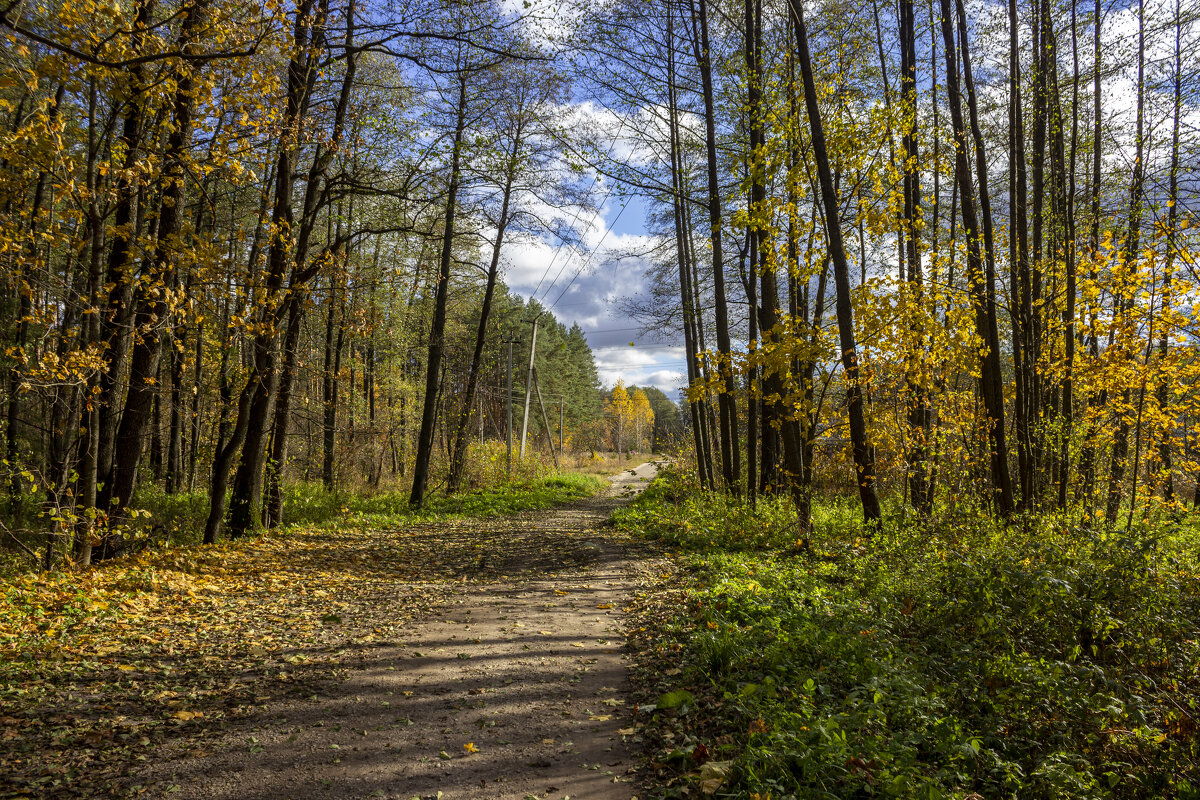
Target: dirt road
pixel 514 686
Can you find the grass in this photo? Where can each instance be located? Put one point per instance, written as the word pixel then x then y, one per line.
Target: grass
pixel 168 520
pixel 949 660
pixel 182 515
pixel 313 514
pixel 100 667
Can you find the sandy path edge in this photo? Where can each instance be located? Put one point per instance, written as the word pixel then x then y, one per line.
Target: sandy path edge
pixel 515 685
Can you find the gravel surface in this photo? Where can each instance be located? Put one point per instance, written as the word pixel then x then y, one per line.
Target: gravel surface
pixel 514 685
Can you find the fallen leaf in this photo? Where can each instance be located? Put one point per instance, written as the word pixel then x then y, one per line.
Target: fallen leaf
pixel 676 699
pixel 713 774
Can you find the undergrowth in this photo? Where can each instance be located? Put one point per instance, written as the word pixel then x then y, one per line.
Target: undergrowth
pixel 182 515
pixel 960 659
pixel 39 609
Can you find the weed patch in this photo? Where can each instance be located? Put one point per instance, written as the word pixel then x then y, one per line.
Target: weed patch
pixel 1041 660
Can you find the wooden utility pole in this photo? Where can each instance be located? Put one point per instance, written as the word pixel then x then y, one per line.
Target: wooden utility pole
pixel 560 423
pixel 508 403
pixel 528 386
pixel 545 420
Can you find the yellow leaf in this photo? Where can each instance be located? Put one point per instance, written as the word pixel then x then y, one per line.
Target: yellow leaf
pixel 126 668
pixel 470 747
pixel 604 605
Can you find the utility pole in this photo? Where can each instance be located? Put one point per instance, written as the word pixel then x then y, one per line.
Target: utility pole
pixel 508 402
pixel 545 420
pixel 529 385
pixel 560 423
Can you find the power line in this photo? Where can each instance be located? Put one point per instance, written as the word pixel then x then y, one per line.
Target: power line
pixel 595 250
pixel 595 180
pixel 615 330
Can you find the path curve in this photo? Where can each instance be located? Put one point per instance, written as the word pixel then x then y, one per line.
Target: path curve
pixel 514 687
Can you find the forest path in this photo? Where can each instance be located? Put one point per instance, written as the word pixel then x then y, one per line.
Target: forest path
pixel 512 685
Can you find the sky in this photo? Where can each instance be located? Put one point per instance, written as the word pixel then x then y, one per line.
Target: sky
pixel 587 289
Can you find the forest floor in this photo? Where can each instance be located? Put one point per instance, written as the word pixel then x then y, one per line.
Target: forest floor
pixel 467 659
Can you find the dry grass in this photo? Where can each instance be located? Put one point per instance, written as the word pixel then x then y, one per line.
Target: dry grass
pixel 601 464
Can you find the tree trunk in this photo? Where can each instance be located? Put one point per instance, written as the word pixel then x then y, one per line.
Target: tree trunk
pixel 1087 455
pixel 919 414
pixel 991 379
pixel 277 458
pixel 255 398
pixel 153 310
pixel 1162 390
pixel 679 199
pixel 864 461
pixel 459 454
pixel 284 253
pixel 726 400
pixel 1123 296
pixel 176 350
pixel 433 367
pixel 329 391
pixel 89 422
pixel 1021 315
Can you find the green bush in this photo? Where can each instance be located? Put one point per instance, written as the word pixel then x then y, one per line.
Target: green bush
pixel 1040 660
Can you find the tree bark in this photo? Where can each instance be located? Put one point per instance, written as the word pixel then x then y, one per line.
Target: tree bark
pixel 277 457
pixel 284 253
pixel 1124 295
pixel 153 310
pixel 437 330
pixel 991 379
pixel 1162 390
pixel 459 453
pixel 919 413
pixel 863 454
pixel 726 400
pixel 1021 302
pixel 255 398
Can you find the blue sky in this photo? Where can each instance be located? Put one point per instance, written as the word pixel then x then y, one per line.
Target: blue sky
pixel 587 289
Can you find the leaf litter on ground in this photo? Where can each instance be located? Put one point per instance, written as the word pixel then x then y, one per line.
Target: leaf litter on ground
pixel 100 667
